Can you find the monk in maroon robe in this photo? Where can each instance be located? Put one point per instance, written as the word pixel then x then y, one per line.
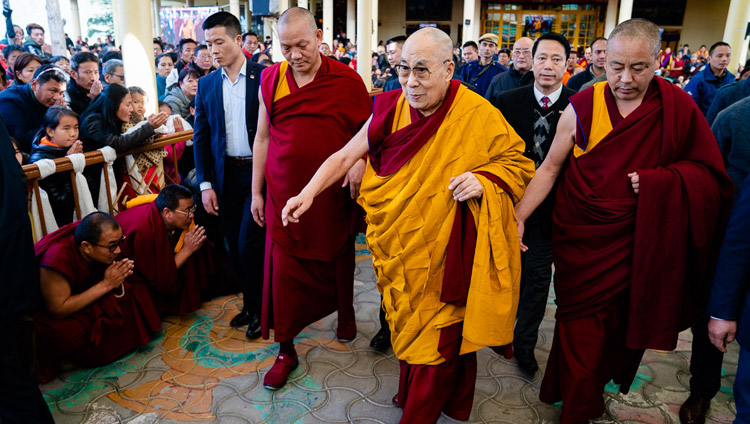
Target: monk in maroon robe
pixel 310 107
pixel 92 315
pixel 642 196
pixel 168 250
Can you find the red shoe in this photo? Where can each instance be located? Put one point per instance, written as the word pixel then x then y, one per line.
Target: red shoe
pixel 276 377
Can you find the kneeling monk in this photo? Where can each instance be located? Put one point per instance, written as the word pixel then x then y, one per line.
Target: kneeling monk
pixel 92 315
pixel 166 247
pixel 443 173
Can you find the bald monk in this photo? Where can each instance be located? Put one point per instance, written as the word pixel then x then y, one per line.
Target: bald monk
pixel 310 106
pixel 444 169
pixel 92 315
pixel 638 208
pixel 166 247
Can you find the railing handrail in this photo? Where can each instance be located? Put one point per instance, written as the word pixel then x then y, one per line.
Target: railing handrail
pixel 64 164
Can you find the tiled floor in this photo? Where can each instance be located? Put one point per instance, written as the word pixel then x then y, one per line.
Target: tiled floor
pixel 201 370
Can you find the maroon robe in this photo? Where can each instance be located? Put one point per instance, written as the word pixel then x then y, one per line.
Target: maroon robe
pixel 100 333
pixel 426 391
pixel 631 271
pixel 150 246
pixel 309 270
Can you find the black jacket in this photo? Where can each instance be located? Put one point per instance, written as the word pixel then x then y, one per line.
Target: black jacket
pixel 77 97
pixel 507 81
pixel 576 81
pixel 58 185
pixel 22 113
pixel 95 134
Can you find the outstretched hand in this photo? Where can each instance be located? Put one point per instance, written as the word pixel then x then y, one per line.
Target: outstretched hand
pixel 294 209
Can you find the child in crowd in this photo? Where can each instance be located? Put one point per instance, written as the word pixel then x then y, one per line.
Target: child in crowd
pixel 58 138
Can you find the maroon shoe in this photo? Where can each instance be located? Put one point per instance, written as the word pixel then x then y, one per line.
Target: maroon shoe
pixel 276 377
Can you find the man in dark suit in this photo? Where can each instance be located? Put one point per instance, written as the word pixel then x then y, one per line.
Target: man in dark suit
pixel 533 111
pixel 730 301
pixel 226 115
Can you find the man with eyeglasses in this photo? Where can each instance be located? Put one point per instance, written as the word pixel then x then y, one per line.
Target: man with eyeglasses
pixel 444 168
pixel 92 313
pixel 114 72
pixel 86 85
pixel 167 249
pixel 519 74
pixel 480 72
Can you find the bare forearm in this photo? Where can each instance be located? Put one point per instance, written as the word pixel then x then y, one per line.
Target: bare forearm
pixel 536 192
pixel 77 302
pixel 260 152
pixel 332 170
pixel 181 257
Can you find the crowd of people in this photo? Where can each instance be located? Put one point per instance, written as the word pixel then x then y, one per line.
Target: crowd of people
pixel 473 171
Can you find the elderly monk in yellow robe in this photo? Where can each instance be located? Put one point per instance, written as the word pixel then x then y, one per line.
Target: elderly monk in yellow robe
pixel 444 170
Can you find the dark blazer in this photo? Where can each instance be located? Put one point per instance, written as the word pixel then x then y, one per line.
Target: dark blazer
pixel 517 106
pixel 209 132
pixel 730 297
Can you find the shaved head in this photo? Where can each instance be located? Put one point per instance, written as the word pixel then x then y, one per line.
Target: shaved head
pixel 640 29
pixel 437 41
pixel 298 16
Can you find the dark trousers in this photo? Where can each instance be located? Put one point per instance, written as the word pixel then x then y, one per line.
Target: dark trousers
pixel 20 398
pixel 705 361
pixel 536 275
pixel 742 388
pixel 245 238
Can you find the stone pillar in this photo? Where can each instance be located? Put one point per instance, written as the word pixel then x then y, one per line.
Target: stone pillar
pixel 472 11
pixel 277 56
pixel 137 47
pixel 374 28
pixel 248 16
pixel 234 8
pixel 328 21
pixel 75 21
pixel 351 20
pixel 611 21
pixel 118 30
pixel 156 17
pixel 305 4
pixel 364 37
pixel 626 10
pixel 56 33
pixel 734 32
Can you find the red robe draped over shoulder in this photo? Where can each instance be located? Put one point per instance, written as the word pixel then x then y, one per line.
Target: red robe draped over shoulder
pixel 309 267
pixel 100 333
pixel 631 270
pixel 148 244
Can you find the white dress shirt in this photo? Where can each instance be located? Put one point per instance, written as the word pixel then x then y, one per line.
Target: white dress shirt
pixel 553 97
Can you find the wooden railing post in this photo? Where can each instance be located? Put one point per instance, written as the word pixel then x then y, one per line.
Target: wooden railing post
pixel 75 193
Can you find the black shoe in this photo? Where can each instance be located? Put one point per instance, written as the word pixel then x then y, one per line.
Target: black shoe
pixel 242 319
pixel 382 340
pixel 253 328
pixel 693 411
pixel 526 360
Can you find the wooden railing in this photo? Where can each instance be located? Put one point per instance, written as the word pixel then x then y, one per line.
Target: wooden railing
pixel 93 158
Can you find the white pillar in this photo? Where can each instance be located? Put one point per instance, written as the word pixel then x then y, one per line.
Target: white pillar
pixel 277 56
pixel 364 37
pixel 75 21
pixel 248 16
pixel 351 20
pixel 56 33
pixel 267 30
pixel 328 21
pixel 626 10
pixel 374 27
pixel 156 17
pixel 611 21
pixel 234 8
pixel 118 28
pixel 472 11
pixel 734 31
pixel 305 4
pixel 137 47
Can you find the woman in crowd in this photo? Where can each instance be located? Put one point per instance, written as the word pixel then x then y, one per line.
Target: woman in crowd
pixel 24 68
pixel 58 138
pixel 179 95
pixel 164 65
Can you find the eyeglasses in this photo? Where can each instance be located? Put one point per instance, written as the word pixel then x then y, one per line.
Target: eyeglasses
pixel 522 51
pixel 122 77
pixel 188 212
pixel 420 72
pixel 112 247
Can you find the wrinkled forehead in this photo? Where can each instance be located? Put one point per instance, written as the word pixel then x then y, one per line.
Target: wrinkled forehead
pixel 420 54
pixel 627 50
